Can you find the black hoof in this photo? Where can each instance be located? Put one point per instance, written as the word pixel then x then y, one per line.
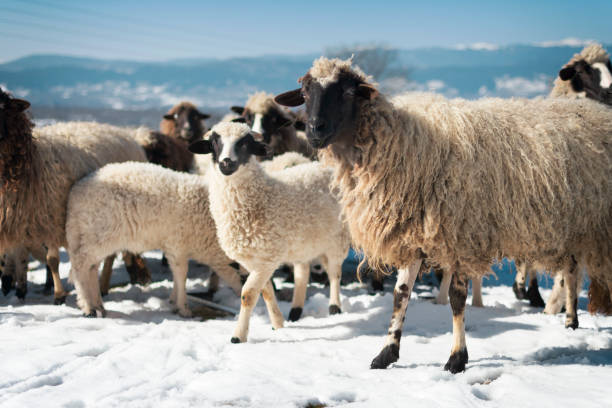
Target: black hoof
pixel 378 285
pixel 571 323
pixel 295 314
pixel 388 355
pixel 235 340
pixel 59 300
pixel 21 292
pixel 457 361
pixel 535 299
pixel 520 293
pixel 96 313
pixel 7 284
pixel 334 309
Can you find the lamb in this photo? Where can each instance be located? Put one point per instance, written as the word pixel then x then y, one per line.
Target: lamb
pixel 456 182
pixel 38 167
pixel 184 122
pixel 266 219
pixel 118 208
pixel 275 124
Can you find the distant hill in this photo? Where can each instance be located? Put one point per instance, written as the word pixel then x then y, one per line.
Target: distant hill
pixel 63 81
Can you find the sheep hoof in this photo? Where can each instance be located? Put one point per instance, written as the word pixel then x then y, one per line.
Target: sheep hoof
pixel 334 309
pixel 98 312
pixel 535 299
pixel 7 284
pixel 519 292
pixel 235 340
pixel 60 300
pixel 388 355
pixel 294 314
pixel 571 323
pixel 457 361
pixel 21 292
pixel 377 286
pixel 185 313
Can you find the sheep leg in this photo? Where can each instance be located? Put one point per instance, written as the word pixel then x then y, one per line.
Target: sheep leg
pixel 105 277
pixel 401 297
pixel 213 283
pixel 442 298
pixel 557 296
pixel 179 267
pixel 250 293
pixel 518 287
pixel 276 317
pixel 458 294
pixel 59 293
pixel 533 293
pixel 230 275
pixel 301 274
pixel 136 268
pixel 477 292
pixel 7 273
pixel 48 289
pixel 334 272
pixel 571 296
pixel 85 281
pixel 21 272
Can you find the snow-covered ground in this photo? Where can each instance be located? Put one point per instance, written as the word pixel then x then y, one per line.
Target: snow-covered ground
pixel 142 355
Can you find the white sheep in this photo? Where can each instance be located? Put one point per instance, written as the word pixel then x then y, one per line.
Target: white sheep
pixel 463 183
pixel 140 207
pixel 265 219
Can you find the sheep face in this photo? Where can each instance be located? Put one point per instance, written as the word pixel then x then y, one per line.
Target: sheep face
pixel 184 121
pixel 266 122
pixel 595 80
pixel 231 144
pixel 8 108
pixel 332 107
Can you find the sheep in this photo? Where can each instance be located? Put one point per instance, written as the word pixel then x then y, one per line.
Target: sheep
pixel 38 167
pixel 266 219
pixel 118 208
pixel 586 75
pixel 15 267
pixel 456 182
pixel 184 122
pixel 275 124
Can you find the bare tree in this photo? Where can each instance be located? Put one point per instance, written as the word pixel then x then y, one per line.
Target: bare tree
pixel 377 60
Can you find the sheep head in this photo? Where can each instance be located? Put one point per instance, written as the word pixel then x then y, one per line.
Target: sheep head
pixel 9 107
pixel 231 144
pixel 595 79
pixel 264 115
pixel 184 121
pixel 334 93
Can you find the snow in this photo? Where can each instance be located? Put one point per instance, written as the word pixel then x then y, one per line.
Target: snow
pixel 143 355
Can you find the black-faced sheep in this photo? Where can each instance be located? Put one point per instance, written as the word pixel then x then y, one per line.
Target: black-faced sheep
pixel 275 124
pixel 38 167
pixel 458 181
pixel 265 219
pixel 140 207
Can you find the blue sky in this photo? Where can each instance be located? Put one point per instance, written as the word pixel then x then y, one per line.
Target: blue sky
pixel 164 30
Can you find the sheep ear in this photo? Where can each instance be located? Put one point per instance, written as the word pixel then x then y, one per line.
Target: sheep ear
pixel 169 116
pixel 299 125
pixel 567 73
pixel 291 98
pixel 237 109
pixel 201 147
pixel 203 116
pixel 18 104
pixel 241 119
pixel 366 91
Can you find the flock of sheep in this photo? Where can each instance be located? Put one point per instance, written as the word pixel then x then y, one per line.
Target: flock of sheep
pixel 416 182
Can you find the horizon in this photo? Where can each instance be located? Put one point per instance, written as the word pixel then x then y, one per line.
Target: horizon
pixel 190 30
